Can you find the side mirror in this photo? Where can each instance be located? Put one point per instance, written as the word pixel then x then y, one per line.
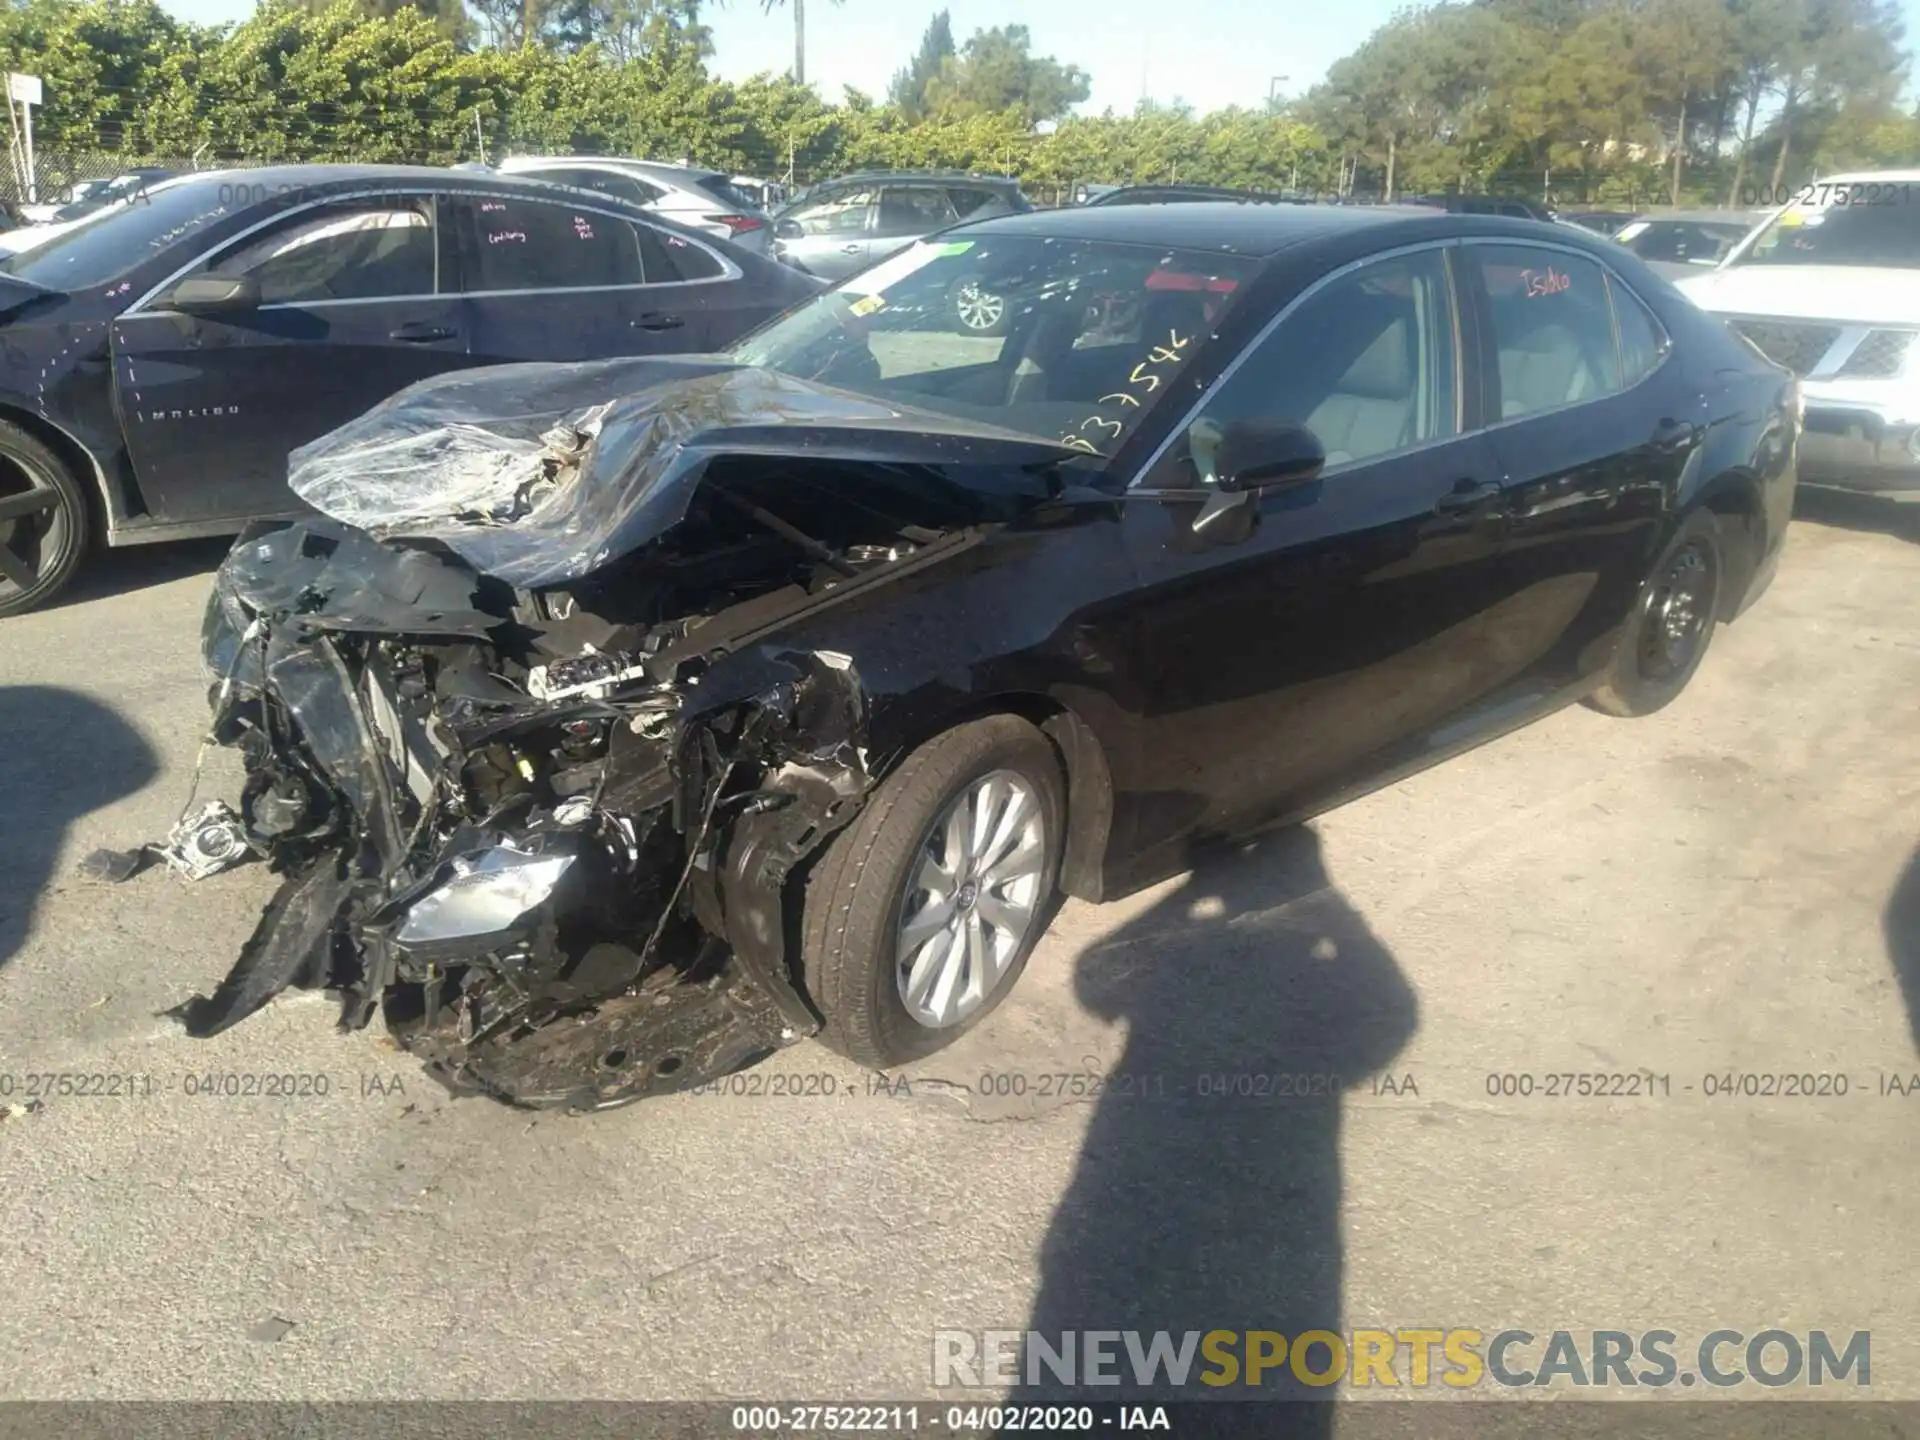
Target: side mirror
pixel 1259 455
pixel 215 295
pixel 1244 458
pixel 788 230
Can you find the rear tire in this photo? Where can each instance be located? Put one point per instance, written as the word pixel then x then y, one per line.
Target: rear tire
pixel 889 994
pixel 1672 625
pixel 980 312
pixel 43 522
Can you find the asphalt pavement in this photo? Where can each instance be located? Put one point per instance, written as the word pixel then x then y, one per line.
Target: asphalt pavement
pixel 1729 889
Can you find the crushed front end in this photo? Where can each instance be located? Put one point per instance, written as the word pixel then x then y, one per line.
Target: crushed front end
pixel 555 866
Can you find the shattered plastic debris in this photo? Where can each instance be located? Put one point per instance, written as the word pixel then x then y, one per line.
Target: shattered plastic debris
pixel 116 866
pixel 270 1331
pixel 206 842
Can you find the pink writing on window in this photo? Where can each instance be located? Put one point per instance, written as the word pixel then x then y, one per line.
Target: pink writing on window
pixel 1545 282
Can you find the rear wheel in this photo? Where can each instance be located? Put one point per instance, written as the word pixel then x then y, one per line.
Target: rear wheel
pixel 921 914
pixel 43 522
pixel 1669 633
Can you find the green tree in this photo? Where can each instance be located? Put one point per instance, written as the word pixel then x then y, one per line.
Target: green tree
pixel 997 73
pixel 908 93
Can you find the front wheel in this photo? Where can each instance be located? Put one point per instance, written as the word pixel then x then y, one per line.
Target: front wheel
pixel 43 522
pixel 1672 627
pixel 921 914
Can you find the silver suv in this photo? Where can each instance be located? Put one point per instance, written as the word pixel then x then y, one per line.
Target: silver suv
pixel 705 200
pixel 843 225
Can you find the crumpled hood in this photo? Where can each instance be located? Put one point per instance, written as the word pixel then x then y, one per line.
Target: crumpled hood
pixel 540 474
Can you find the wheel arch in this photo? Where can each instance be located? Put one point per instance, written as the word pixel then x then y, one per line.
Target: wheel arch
pixel 1083 762
pixel 110 503
pixel 1733 495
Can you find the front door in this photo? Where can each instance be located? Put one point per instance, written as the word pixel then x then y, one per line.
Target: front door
pixel 1328 631
pixel 350 311
pixel 550 280
pixel 832 236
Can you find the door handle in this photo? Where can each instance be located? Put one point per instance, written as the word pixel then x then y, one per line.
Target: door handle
pixel 416 332
pixel 1674 434
pixel 850 249
pixel 656 321
pixel 1465 496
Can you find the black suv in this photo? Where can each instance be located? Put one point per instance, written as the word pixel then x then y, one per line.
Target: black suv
pixel 843 225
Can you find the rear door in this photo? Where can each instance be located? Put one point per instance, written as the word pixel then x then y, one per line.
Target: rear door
pixel 835 233
pixel 907 212
pixel 1593 429
pixel 552 280
pixel 352 309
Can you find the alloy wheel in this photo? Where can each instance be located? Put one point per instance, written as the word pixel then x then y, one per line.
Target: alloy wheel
pixel 971 899
pixel 979 309
pixel 35 528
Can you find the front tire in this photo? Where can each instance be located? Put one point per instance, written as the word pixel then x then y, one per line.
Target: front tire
pixel 1672 626
pixel 43 522
pixel 980 312
pixel 921 914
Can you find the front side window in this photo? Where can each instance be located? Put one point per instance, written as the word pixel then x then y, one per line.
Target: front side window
pixel 1366 363
pixel 1882 235
pixel 356 250
pixel 1072 341
pixel 842 213
pixel 517 244
pixel 1552 327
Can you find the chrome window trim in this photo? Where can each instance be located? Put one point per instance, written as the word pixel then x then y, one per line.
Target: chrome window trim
pixel 1135 487
pixel 728 270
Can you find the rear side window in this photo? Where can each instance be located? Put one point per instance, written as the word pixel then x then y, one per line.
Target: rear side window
pixel 1643 344
pixel 516 244
pixel 1552 327
pixel 913 210
pixel 665 257
pixel 966 201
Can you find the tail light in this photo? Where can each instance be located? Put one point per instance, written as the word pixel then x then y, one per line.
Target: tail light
pixel 738 225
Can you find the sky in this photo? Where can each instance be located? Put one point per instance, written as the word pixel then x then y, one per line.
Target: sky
pixel 1210 53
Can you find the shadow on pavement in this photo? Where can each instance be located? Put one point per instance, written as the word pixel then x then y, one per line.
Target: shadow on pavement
pixel 1903 940
pixel 139 567
pixel 62 755
pixel 1205 1198
pixel 1854 510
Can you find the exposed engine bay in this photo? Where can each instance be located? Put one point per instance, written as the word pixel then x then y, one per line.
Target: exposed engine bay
pixel 546 832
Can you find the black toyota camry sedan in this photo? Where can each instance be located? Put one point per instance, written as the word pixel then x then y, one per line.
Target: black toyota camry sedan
pixel 158 362
pixel 617 724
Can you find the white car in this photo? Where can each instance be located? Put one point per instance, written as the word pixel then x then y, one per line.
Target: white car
pixel 704 200
pixel 1829 287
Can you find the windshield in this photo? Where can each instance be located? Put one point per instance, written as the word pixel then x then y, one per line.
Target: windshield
pixel 103 194
pixel 1068 340
pixel 115 240
pixel 1838 234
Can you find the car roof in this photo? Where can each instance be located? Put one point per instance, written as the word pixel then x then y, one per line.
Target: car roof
pixel 929 177
pixel 277 180
pixel 1854 177
pixel 1256 228
pixel 690 174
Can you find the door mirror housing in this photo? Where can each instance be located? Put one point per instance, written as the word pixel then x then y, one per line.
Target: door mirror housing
pixel 788 230
pixel 215 295
pixel 1253 455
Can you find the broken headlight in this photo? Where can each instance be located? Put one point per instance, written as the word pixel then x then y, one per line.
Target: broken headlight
pixel 486 894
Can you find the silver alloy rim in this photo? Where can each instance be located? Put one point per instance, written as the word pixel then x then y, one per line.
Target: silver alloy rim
pixel 980 310
pixel 33 526
pixel 970 899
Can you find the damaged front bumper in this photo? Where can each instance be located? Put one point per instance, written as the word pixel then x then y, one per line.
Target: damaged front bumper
pixel 559 880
